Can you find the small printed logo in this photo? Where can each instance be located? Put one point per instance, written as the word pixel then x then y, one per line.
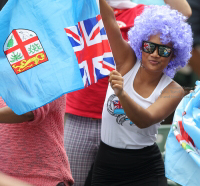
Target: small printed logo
pixel 24 50
pixel 115 109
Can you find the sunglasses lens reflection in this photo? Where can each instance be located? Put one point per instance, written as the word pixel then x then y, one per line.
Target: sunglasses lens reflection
pixel 148 47
pixel 163 51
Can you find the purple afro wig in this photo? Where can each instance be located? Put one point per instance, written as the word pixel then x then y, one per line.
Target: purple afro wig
pixel 172 27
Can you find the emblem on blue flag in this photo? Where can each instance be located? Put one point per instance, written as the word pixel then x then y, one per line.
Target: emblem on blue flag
pixel 24 50
pixel 90 44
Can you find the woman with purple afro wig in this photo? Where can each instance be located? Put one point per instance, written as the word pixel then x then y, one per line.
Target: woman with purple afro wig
pixel 141 93
pixel 172 27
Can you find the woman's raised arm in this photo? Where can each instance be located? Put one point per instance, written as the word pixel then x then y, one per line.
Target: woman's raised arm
pixel 123 54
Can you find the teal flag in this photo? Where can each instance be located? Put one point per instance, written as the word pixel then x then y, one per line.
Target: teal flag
pixel 37 59
pixel 182 158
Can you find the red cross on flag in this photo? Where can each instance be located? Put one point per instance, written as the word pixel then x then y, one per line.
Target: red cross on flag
pixel 24 50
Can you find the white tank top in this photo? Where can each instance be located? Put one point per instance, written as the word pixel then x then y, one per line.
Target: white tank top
pixel 117 130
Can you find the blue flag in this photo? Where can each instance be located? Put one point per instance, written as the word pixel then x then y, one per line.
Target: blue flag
pixel 40 59
pixel 182 159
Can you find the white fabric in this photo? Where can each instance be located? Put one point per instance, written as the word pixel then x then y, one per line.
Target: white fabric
pixel 117 130
pixel 121 4
pixel 97 3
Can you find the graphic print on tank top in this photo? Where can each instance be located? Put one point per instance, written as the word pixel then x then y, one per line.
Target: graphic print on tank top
pixel 115 109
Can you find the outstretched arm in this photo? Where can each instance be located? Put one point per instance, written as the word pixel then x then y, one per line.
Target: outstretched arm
pixel 180 5
pixel 6 180
pixel 123 54
pixel 8 116
pixel 143 118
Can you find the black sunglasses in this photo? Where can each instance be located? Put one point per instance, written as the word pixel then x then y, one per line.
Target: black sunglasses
pixel 163 50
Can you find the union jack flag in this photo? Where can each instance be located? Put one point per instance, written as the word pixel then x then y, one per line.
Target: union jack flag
pixel 117 104
pixel 90 44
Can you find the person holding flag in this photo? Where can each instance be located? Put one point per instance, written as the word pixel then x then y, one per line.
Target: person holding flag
pixel 84 110
pixel 140 95
pixel 84 107
pixel 35 79
pixel 32 147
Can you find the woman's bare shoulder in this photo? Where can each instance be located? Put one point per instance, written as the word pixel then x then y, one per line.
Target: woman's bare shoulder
pixel 174 87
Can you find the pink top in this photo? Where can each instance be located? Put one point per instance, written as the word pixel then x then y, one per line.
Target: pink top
pixel 34 151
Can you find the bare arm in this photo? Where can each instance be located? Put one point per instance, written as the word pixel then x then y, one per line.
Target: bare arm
pixel 123 54
pixel 143 118
pixel 8 116
pixel 10 181
pixel 180 5
pixel 158 111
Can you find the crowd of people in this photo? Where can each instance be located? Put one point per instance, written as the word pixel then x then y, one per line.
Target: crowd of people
pixel 109 132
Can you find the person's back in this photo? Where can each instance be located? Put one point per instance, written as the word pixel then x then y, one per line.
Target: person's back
pixel 33 151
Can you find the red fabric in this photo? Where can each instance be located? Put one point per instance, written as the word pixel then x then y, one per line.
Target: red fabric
pixel 89 102
pixel 184 134
pixel 119 11
pixel 34 151
pixel 179 137
pixel 126 18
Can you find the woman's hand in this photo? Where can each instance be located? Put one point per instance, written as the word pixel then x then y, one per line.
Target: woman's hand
pixel 117 83
pixel 8 116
